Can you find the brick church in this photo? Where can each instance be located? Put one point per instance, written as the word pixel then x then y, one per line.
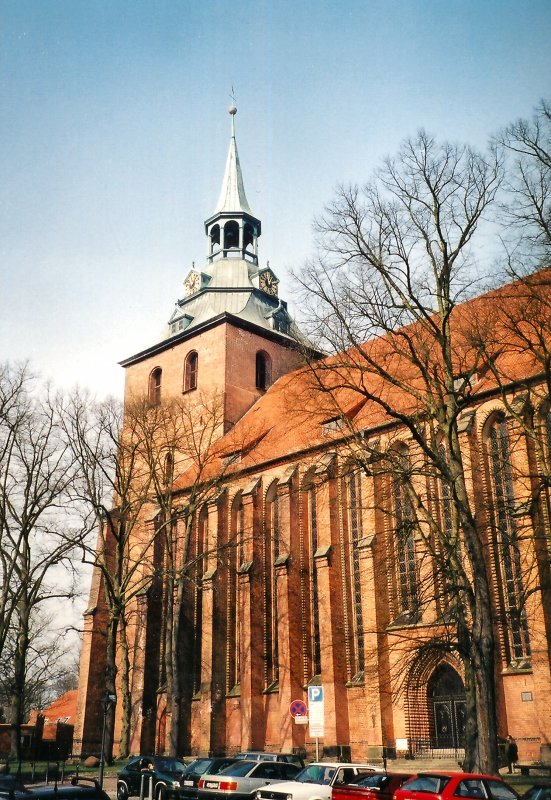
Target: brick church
pixel 313 591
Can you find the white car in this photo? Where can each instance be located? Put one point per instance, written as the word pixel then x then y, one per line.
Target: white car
pixel 314 782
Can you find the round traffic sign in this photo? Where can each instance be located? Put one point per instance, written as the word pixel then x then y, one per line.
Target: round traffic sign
pixel 298 708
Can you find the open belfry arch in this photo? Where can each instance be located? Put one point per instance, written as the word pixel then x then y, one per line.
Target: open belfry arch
pixel 299 562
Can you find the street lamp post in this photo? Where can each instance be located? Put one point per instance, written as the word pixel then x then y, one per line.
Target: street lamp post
pixel 107 701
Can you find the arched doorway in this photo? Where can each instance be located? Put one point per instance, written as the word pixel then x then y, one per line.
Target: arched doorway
pixel 447 708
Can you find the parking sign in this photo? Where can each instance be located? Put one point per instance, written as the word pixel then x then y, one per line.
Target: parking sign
pixel 316 710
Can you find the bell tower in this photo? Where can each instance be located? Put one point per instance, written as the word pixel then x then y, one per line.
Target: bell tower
pixel 230 334
pixel 233 230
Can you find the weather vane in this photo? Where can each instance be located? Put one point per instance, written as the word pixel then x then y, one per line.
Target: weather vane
pixel 233 110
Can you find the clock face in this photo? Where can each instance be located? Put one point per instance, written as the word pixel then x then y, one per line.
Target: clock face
pixel 193 282
pixel 268 282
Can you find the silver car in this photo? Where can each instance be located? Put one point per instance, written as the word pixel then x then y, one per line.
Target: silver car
pixel 242 780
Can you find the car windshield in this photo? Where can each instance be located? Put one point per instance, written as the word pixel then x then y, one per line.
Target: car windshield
pixel 428 783
pixel 500 791
pixel 240 769
pixel 199 767
pixel 373 781
pixel 170 765
pixel 537 793
pixel 316 773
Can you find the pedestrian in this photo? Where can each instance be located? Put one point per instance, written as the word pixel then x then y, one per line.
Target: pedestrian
pixel 512 753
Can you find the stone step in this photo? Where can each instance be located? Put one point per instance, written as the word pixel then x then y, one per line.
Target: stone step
pixel 414 765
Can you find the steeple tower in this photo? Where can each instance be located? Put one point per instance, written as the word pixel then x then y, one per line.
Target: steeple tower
pixel 233 230
pixel 230 334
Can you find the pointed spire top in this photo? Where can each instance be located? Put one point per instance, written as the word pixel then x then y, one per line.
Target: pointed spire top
pixel 232 195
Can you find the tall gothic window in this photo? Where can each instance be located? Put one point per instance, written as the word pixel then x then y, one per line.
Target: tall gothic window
pixel 270 585
pixel 407 588
pixel 546 469
pixel 236 553
pixel 191 371
pixel 199 548
pixel 353 490
pixel 154 390
pixel 508 552
pixel 315 641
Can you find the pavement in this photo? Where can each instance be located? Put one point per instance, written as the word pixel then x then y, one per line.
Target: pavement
pixel 110 785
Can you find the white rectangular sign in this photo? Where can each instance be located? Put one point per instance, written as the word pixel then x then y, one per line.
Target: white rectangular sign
pixel 316 711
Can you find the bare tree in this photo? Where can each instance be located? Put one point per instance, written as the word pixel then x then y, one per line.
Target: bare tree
pixel 527 201
pixel 38 527
pixel 48 671
pixel 144 474
pixel 524 319
pixel 383 298
pixel 114 485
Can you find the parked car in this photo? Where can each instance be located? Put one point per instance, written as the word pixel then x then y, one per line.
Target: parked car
pixel 316 780
pixel 376 785
pixel 242 779
pixel 11 786
pixel 77 789
pixel 165 775
pixel 444 785
pixel 189 780
pixel 537 793
pixel 261 755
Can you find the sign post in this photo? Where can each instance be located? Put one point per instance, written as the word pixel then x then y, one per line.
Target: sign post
pixel 316 705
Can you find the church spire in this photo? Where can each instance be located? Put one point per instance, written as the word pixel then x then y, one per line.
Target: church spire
pixel 233 230
pixel 232 195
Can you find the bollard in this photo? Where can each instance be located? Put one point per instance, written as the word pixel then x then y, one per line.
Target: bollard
pixel 146 789
pixel 146 776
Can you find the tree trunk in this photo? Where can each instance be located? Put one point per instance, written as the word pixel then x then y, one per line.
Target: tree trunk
pixel 17 705
pixel 476 634
pixel 174 656
pixel 124 744
pixel 110 684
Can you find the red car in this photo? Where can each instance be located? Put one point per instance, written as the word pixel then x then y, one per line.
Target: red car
pixel 380 785
pixel 449 785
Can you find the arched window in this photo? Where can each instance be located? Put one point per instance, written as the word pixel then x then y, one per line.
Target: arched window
pixel 154 390
pixel 311 518
pixel 353 495
pixel 248 236
pixel 231 235
pixel 263 371
pixel 214 237
pixel 508 551
pixel 407 589
pixel 271 540
pixel 236 554
pixel 191 371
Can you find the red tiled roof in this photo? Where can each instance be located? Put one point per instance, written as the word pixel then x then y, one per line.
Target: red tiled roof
pixel 289 418
pixel 63 709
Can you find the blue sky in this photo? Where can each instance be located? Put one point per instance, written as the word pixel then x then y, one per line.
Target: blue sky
pixel 115 131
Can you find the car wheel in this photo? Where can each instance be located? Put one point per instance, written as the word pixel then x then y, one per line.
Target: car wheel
pixel 160 791
pixel 122 791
